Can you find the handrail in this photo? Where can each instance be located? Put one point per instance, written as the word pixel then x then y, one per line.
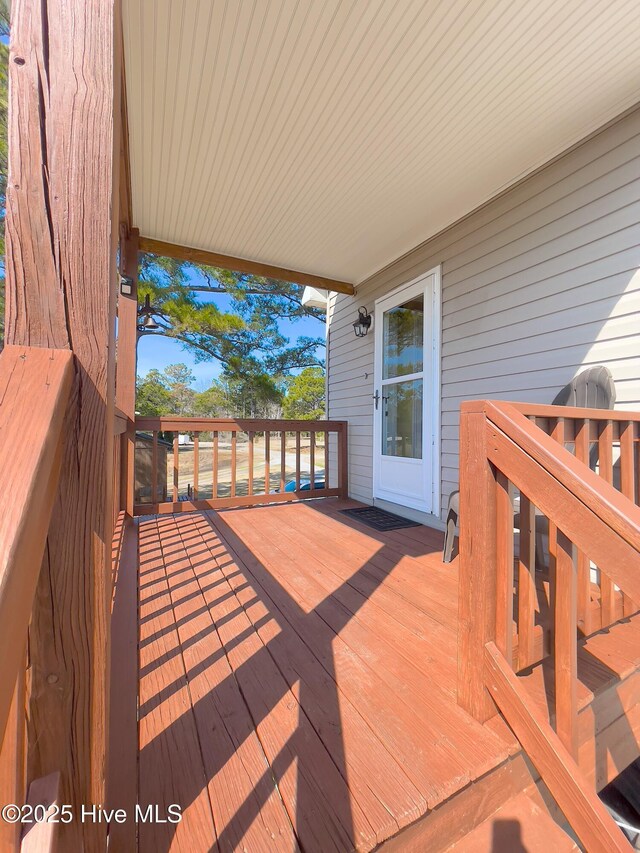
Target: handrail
pixel 594 514
pixel 178 423
pixel 262 461
pixel 540 410
pixel 35 385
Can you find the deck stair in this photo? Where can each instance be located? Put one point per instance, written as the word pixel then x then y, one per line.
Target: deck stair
pixel 522 823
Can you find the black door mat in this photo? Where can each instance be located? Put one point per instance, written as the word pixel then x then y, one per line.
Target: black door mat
pixel 379 519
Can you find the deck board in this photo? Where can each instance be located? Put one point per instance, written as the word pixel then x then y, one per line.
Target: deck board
pixel 297 680
pixel 170 763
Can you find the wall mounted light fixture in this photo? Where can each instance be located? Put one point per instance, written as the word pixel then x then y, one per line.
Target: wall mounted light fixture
pixel 126 285
pixel 363 323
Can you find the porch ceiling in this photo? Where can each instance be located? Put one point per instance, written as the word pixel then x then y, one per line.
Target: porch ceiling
pixel 332 137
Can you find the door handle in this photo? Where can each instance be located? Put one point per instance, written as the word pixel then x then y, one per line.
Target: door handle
pixel 377 397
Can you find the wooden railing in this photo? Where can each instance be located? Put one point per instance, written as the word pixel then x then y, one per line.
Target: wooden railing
pixel 186 463
pixel 35 386
pixel 609 444
pixel 549 552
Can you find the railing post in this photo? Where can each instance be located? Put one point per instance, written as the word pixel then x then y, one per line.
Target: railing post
pixel 343 461
pixel 477 563
pixel 127 468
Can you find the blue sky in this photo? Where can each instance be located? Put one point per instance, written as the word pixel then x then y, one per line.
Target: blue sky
pixel 156 351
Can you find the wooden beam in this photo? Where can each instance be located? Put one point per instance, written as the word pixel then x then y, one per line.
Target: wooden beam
pixel 213 259
pixel 124 190
pixel 62 228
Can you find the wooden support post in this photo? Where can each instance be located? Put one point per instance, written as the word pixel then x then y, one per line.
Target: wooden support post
pixel 61 238
pixel 126 361
pixel 477 569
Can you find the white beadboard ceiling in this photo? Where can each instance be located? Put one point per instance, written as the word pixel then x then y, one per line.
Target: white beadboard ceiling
pixel 332 137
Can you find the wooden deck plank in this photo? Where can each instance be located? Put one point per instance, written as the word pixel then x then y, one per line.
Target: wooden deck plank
pixel 408 665
pixel 122 780
pixel 354 676
pixel 374 598
pixel 384 577
pixel 375 777
pixel 170 763
pixel 316 796
pixel 377 555
pixel 247 809
pixel 365 668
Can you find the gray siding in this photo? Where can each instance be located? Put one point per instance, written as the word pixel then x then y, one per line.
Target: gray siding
pixel 536 285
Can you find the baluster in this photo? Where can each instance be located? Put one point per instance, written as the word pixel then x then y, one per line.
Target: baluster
pixel 312 459
pixel 196 464
pixel 176 465
pixel 214 486
pixel 557 433
pixel 234 447
pixel 298 442
pixel 565 645
pixel 605 453
pixel 526 582
pixel 326 459
pixel 154 468
pixel 267 474
pixel 283 460
pixel 583 447
pixel 250 483
pixel 627 484
pixel 504 567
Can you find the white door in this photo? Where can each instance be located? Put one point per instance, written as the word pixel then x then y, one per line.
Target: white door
pixel 407 395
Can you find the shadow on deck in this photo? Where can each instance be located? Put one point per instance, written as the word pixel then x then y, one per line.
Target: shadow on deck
pixel 297 680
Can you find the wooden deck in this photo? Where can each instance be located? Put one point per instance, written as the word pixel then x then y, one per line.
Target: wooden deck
pixel 297 680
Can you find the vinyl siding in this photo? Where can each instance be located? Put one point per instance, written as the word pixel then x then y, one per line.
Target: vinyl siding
pixel 536 285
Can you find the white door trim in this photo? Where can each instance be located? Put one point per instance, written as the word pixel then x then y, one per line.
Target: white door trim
pixel 432 379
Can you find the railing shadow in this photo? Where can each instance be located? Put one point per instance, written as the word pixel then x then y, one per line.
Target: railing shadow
pixel 321 798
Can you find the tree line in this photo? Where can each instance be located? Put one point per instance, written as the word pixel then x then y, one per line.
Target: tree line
pixel 255 395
